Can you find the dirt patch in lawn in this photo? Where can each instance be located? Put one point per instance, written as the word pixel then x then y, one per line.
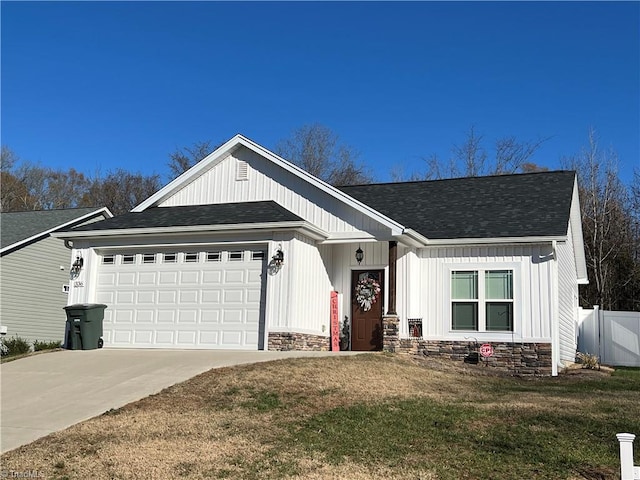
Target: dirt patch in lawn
pixel 359 417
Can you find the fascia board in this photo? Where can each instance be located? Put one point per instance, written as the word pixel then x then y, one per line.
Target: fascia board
pixel 52 231
pixel 240 140
pixel 575 220
pixel 304 226
pixel 500 240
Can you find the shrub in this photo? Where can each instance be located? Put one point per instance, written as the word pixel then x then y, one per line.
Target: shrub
pixel 16 346
pixel 38 345
pixel 588 360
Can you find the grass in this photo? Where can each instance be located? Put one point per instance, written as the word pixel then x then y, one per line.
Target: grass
pixel 362 417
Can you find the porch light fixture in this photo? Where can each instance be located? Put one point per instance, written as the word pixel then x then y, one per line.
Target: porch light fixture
pixel 359 255
pixel 278 258
pixel 76 267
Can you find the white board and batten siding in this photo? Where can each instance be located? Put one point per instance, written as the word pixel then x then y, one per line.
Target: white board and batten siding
pixel 267 181
pixel 532 267
pixel 198 298
pixel 306 286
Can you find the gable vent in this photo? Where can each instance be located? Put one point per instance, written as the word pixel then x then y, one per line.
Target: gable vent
pixel 242 170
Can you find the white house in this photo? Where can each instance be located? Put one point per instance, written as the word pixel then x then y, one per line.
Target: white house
pixel 243 250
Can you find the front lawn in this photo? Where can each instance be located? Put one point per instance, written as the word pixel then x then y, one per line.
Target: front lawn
pixel 362 417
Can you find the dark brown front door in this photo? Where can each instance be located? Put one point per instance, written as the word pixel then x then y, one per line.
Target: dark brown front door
pixel 366 325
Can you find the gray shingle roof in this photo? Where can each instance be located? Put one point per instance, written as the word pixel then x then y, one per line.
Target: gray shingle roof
pixel 18 226
pixel 192 215
pixel 536 204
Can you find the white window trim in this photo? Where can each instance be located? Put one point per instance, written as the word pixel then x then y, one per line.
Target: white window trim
pixel 482 334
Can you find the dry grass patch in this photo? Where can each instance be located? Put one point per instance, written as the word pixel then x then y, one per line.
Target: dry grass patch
pixel 357 417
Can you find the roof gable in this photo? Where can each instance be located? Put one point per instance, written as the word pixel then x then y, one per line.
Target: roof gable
pixel 18 228
pixel 163 196
pixel 503 206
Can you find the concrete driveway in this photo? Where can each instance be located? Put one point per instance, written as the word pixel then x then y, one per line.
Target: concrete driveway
pixel 45 393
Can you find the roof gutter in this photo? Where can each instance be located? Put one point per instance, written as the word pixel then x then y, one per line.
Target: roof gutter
pixel 305 227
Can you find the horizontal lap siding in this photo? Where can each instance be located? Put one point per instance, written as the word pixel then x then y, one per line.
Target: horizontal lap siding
pixel 267 181
pixel 32 300
pixel 567 300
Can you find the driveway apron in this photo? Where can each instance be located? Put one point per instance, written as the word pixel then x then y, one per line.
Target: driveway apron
pixel 48 392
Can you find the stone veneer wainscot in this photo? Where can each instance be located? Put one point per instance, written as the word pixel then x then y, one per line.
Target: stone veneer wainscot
pixel 283 341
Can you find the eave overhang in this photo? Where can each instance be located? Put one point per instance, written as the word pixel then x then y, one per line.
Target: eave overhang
pixel 52 231
pixel 301 226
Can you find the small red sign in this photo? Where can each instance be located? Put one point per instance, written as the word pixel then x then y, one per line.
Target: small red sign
pixel 486 350
pixel 335 323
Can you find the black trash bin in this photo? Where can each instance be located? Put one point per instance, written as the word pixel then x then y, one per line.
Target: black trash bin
pixel 84 326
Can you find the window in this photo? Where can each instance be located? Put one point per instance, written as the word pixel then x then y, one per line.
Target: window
pixel 128 259
pixel 257 255
pixel 149 258
pixel 214 257
pixel 191 257
pixel 236 256
pixel 170 258
pixel 482 300
pixel 108 259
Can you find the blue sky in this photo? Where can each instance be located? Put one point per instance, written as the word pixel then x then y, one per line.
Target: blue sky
pixel 103 85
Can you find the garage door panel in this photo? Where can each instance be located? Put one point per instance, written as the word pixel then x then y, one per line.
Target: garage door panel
pixel 123 315
pixel 189 296
pixel 233 296
pixel 146 296
pixel 187 316
pixel 144 316
pixel 184 304
pixel 190 278
pixel 210 338
pixel 144 337
pixel 128 278
pixel 168 296
pixel 167 316
pixel 147 278
pixel 212 278
pixel 209 316
pixel 168 278
pixel 164 338
pixel 231 277
pixel 211 296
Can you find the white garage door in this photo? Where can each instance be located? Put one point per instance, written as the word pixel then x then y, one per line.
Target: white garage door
pixel 183 299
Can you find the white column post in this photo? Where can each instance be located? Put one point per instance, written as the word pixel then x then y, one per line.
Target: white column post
pixel 626 455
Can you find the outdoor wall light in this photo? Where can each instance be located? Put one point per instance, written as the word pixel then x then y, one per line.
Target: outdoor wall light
pixel 76 267
pixel 359 255
pixel 278 258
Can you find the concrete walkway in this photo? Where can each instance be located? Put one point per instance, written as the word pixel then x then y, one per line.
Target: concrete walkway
pixel 45 393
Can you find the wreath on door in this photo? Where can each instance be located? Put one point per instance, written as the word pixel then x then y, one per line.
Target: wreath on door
pixel 367 293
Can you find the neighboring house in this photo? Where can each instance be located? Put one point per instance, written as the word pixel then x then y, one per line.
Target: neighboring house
pixel 34 270
pixel 243 250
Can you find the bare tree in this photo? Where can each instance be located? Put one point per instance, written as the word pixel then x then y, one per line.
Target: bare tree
pixel 606 224
pixel 120 191
pixel 471 154
pixel 317 149
pixel 513 155
pixel 184 158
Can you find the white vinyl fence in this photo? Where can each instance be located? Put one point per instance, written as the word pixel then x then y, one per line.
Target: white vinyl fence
pixel 613 336
pixel 628 471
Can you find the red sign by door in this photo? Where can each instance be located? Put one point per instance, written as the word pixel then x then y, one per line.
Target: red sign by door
pixel 335 323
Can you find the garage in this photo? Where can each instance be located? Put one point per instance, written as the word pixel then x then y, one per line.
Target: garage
pixel 206 298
